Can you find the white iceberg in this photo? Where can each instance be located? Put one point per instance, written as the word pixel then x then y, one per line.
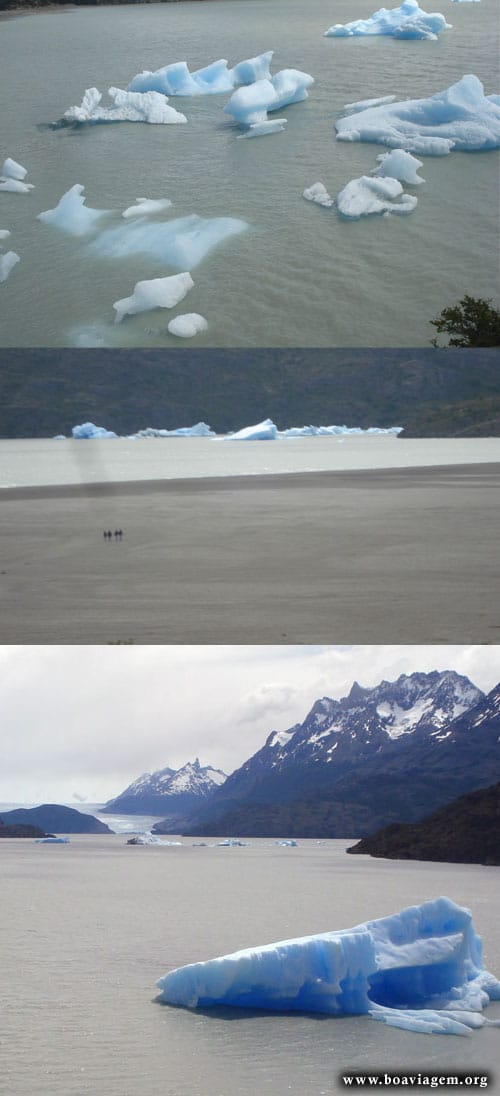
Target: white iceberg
pixel 188 325
pixel 249 105
pixel 129 106
pixel 71 215
pixel 339 431
pixel 7 263
pixel 182 243
pixel 420 969
pixel 319 194
pixel 407 21
pixel 155 293
pixel 401 165
pixel 12 170
pixel 262 431
pixel 4 233
pixel 214 79
pixel 90 430
pixel 460 117
pixel 15 186
pixel 145 206
pixel 364 196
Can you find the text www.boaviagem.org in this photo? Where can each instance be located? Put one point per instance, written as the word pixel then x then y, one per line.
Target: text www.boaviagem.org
pixel 415 1080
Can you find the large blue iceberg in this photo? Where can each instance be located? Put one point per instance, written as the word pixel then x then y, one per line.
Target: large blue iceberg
pixel 407 21
pixel 420 969
pixel 182 243
pixel 250 105
pixel 176 79
pixel 460 117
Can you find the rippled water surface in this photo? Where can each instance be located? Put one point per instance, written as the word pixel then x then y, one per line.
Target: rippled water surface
pixel 300 276
pixel 87 928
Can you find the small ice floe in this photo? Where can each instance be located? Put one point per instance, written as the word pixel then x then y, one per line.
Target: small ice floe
pixel 401 165
pixel 264 129
pixel 460 117
pixel 71 215
pixel 12 177
pixel 182 243
pixel 154 293
pixel 262 431
pixel 319 194
pixel 188 325
pixel 199 430
pixel 145 206
pixel 420 969
pixel 289 844
pixel 7 263
pixel 129 106
pixel 364 196
pixel 407 21
pixel 214 79
pixel 4 233
pixel 231 843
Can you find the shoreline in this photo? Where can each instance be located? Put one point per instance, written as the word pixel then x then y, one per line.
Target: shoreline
pixel 239 482
pixel 38 9
pixel 386 556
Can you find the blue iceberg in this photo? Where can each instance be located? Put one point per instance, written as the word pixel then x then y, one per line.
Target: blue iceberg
pixel 420 969
pixel 214 79
pixel 460 117
pixel 129 106
pixel 90 430
pixel 182 243
pixel 250 105
pixel 407 21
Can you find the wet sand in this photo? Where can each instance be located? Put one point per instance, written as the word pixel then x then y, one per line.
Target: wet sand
pixel 387 556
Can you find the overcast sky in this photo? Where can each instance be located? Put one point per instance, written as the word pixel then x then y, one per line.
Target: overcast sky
pixel 80 723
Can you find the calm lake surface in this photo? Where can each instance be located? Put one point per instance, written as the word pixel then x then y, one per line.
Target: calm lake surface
pixel 300 276
pixel 88 927
pixel 38 462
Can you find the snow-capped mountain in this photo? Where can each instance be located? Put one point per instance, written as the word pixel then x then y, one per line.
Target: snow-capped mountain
pixel 390 753
pixel 176 792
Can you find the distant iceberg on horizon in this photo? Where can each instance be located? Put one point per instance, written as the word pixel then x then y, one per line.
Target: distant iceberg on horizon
pixel 263 431
pixel 420 969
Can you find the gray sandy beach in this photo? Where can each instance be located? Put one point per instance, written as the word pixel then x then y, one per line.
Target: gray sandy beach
pixel 385 556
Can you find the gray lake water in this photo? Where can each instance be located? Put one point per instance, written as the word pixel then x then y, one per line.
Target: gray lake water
pixel 87 928
pixel 300 276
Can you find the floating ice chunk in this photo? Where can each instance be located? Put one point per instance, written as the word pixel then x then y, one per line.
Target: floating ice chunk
pixel 145 206
pixel 52 841
pixel 7 263
pixel 15 186
pixel 181 243
pixel 401 165
pixel 407 21
pixel 263 431
pixel 251 104
pixel 420 968
pixel 129 106
pixel 231 843
pixel 264 129
pixel 4 233
pixel 366 195
pixel 59 437
pixel 364 104
pixel 188 325
pixel 461 117
pixel 176 79
pixel 155 293
pixel 337 431
pixel 89 430
pixel 12 170
pixel 200 430
pixel 319 194
pixel 288 844
pixel 71 214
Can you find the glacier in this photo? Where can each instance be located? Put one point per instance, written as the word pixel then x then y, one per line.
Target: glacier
pixel 182 243
pixel 460 117
pixel 420 969
pixel 154 293
pixel 7 263
pixel 188 325
pixel 407 21
pixel 129 106
pixel 214 79
pixel 250 105
pixel 364 196
pixel 71 215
